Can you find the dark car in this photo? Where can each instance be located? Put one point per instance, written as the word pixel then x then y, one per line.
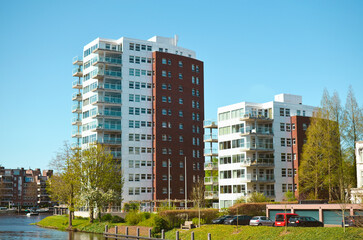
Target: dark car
pixel 353 221
pixel 242 220
pixel 302 221
pixel 221 219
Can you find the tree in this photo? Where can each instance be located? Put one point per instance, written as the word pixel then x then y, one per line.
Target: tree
pixel 257 197
pixel 197 196
pixel 101 179
pixel 64 186
pixel 289 196
pixel 353 129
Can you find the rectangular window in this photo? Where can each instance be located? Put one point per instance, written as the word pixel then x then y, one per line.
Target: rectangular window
pixel 288 142
pixel 283 172
pixel 282 127
pixel 287 112
pixel 283 142
pixel 288 156
pixel 131 59
pixel 283 157
pixel 288 127
pixel 282 111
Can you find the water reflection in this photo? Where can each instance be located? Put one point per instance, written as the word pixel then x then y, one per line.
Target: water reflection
pixel 17 227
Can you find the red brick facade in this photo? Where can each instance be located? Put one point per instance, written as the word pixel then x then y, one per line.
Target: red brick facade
pixel 178 123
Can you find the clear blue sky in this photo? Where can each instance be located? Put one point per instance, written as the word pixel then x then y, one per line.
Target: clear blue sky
pixel 252 50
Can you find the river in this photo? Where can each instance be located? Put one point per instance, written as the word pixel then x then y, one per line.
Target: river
pixel 17 227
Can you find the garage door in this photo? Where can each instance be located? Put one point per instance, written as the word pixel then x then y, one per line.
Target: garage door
pixel 308 213
pixel 272 213
pixel 333 217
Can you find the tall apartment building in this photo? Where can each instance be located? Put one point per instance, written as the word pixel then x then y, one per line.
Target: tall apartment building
pixel 256 153
pixel 19 187
pixel 144 100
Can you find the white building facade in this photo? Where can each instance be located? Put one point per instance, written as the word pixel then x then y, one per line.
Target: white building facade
pixel 255 148
pixel 113 104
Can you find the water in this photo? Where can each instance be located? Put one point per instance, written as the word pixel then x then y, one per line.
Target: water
pixel 16 227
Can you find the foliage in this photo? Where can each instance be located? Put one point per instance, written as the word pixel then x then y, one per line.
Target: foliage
pixel 250 209
pixel 106 218
pixel 158 224
pixel 131 207
pixel 133 218
pixel 222 232
pixel 289 196
pixel 196 221
pixel 177 217
pixel 117 219
pixel 197 195
pixel 257 197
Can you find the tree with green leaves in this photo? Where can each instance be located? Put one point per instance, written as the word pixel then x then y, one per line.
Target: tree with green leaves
pixel 65 184
pixel 257 197
pixel 353 129
pixel 101 179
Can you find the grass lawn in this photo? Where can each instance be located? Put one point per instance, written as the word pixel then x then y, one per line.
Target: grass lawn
pixel 222 232
pixel 61 223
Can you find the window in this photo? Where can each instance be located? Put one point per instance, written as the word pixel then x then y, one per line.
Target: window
pixel 287 112
pixel 181 164
pixel 131 46
pixel 149 48
pixel 193 79
pixel 193 67
pixel 181 177
pixel 181 126
pixel 180 101
pixel 180 113
pixel 163 98
pixel 289 173
pixel 282 111
pixel 163 86
pixel 181 139
pixel 288 142
pixel 164 164
pixel 282 127
pixel 169 74
pixel 283 172
pixel 294 141
pixel 169 62
pixel 283 157
pixel 180 76
pixel 294 156
pixel 288 157
pixel 163 61
pixel 305 126
pixel 298 112
pixel 131 59
pixel 293 126
pixel 181 152
pixel 131 72
pixel 180 64
pixel 284 188
pixel 163 73
pixel 282 142
pixel 131 85
pixel 288 127
pixel 180 88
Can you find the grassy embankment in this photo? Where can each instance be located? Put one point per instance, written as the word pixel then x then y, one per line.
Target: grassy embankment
pixel 224 232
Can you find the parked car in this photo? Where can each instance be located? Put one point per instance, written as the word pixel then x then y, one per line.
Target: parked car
pixel 353 221
pixel 261 221
pixel 221 219
pixel 242 220
pixel 282 218
pixel 302 221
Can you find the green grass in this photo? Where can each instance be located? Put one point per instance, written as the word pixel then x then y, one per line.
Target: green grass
pixel 83 224
pixel 223 232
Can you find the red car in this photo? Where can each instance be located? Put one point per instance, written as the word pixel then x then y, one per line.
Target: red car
pixel 283 218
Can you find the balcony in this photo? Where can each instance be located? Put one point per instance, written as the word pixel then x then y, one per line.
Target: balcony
pixel 108 128
pixel 259 162
pixel 113 50
pixel 210 124
pixel 210 166
pixel 210 152
pixel 76 109
pixel 77 84
pixel 77 72
pixel 211 138
pixel 76 134
pixel 263 147
pixel 77 60
pixel 76 121
pixel 264 131
pixel 210 180
pixel 77 97
pixel 251 116
pixel 211 194
pixel 108 60
pixel 108 87
pixel 116 154
pixel 263 178
pixel 108 100
pixel 111 141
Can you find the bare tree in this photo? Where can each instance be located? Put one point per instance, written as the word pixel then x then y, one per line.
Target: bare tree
pixel 197 196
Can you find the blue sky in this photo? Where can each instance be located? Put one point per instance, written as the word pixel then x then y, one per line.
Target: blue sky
pixel 252 50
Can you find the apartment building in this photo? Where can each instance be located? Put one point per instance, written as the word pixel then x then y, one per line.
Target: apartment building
pixel 256 147
pixel 143 100
pixel 357 193
pixel 20 187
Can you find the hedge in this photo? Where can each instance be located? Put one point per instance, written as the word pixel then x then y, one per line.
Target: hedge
pixel 250 209
pixel 177 217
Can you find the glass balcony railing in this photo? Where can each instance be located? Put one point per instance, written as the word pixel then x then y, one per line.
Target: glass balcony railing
pixel 210 166
pixel 210 180
pixel 112 113
pixel 77 59
pixel 77 96
pixel 258 161
pixel 261 178
pixel 108 60
pixel 110 86
pixel 116 154
pixel 108 126
pixel 76 119
pixel 113 73
pixel 209 137
pixel 112 100
pixel 77 83
pixel 210 151
pixel 258 130
pixel 112 140
pixel 76 108
pixel 254 115
pixel 211 194
pixel 262 146
pixel 77 71
pixel 210 123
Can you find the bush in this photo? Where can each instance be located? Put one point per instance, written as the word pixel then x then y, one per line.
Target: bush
pixel 250 209
pixel 177 217
pixel 128 207
pixel 133 218
pixel 117 219
pixel 196 221
pixel 159 224
pixel 257 197
pixel 106 218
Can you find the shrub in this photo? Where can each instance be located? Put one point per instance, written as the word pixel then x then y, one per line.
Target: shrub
pixel 117 219
pixel 257 197
pixel 131 207
pixel 196 221
pixel 159 224
pixel 250 209
pixel 133 218
pixel 106 218
pixel 177 217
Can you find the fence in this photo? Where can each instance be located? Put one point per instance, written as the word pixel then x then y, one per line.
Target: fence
pixel 115 235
